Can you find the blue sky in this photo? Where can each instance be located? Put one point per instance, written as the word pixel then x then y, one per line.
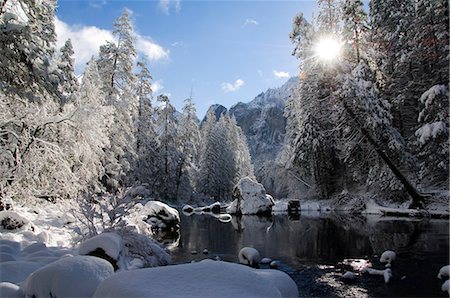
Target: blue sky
pixel 225 51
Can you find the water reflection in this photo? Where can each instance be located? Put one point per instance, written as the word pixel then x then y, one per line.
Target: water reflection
pixel 312 238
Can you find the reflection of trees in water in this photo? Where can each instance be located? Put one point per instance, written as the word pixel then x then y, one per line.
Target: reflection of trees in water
pixel 322 239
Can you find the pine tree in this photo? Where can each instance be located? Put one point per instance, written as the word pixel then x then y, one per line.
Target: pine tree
pixel 189 142
pixel 166 126
pixel 69 82
pixel 146 144
pixel 116 70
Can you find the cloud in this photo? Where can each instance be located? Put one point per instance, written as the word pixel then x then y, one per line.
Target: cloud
pixel 86 41
pixel 180 44
pixel 281 74
pixel 166 5
pixel 250 22
pixel 97 3
pixel 228 87
pixel 157 86
pixel 150 49
pixel 260 73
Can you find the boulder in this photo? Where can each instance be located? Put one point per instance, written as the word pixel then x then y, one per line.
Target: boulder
pixel 250 198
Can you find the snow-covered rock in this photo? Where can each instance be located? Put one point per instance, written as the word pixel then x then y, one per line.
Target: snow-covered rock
pixel 444 272
pixel 160 215
pixel 266 260
pixel 388 257
pixel 349 275
pixel 76 276
pixel 106 245
pixel 386 273
pixel 280 207
pixel 111 243
pixel 187 209
pixel 207 278
pixel 446 286
pixel 250 198
pixel 12 221
pixel 249 256
pixel 10 290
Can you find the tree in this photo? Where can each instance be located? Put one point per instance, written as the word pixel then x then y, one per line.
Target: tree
pixel 146 145
pixel 116 71
pixel 65 62
pixel 189 143
pixel 166 126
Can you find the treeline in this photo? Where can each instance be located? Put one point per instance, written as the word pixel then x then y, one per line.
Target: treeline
pixel 389 85
pixel 62 137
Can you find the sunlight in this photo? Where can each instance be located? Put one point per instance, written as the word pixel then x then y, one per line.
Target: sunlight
pixel 328 49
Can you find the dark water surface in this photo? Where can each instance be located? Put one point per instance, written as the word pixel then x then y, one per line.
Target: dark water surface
pixel 316 249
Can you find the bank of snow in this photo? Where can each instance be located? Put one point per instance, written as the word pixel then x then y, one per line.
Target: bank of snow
pixel 203 279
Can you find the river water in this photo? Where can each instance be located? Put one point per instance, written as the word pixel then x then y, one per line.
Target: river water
pixel 316 249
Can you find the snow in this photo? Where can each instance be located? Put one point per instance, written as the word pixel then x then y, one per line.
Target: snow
pixel 10 290
pixel 444 272
pixel 431 131
pixel 249 256
pixel 349 275
pixel 266 260
pixel 111 243
pixel 251 198
pixel 159 215
pixel 386 273
pixel 280 206
pixel 76 276
pixel 12 221
pixel 429 95
pixel 207 278
pixel 388 257
pixel 446 287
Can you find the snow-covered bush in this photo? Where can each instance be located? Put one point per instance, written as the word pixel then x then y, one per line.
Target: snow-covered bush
pixel 76 276
pixel 250 198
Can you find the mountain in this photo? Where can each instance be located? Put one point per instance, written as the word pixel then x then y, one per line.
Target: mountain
pixel 263 123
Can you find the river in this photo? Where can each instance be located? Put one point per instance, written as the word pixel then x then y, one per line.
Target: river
pixel 316 249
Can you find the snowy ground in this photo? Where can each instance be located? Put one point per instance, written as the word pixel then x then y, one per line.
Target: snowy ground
pixel 45 256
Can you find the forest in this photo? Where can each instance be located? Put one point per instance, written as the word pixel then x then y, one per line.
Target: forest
pixel 100 175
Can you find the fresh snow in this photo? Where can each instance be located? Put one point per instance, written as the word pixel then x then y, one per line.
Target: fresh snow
pixel 251 198
pixel 388 257
pixel 444 272
pixel 76 276
pixel 10 290
pixel 207 278
pixel 249 256
pixel 111 243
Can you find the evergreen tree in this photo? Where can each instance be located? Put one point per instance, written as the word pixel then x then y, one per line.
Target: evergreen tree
pixel 69 82
pixel 166 126
pixel 146 144
pixel 189 142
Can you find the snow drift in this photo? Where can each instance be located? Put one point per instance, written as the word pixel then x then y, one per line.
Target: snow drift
pixel 203 279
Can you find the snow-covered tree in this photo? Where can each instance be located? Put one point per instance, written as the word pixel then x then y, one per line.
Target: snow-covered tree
pixel 65 62
pixel 189 143
pixel 166 128
pixel 146 144
pixel 116 61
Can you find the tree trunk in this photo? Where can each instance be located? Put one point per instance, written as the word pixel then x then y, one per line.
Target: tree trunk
pixel 418 199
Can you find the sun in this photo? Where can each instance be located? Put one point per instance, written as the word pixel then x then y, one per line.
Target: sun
pixel 328 49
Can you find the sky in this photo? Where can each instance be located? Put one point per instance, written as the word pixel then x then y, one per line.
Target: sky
pixel 221 51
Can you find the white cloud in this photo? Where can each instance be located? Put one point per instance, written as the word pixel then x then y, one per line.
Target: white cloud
pixel 86 41
pixel 250 22
pixel 150 49
pixel 166 5
pixel 260 73
pixel 228 87
pixel 157 86
pixel 97 3
pixel 281 74
pixel 180 44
